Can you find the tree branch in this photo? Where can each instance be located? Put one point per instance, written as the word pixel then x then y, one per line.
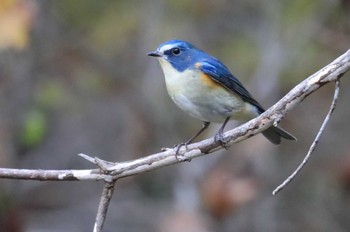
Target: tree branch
pixel 272 116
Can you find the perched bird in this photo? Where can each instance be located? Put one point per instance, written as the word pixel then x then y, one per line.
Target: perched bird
pixel 203 87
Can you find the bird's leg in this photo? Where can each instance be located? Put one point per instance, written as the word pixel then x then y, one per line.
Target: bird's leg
pixel 219 136
pixel 204 127
pixel 178 146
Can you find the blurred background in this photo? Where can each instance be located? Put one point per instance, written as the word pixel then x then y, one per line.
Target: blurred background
pixel 74 77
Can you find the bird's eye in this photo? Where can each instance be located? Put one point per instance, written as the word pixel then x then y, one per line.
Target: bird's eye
pixel 176 51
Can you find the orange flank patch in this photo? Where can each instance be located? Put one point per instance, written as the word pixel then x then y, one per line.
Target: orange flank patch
pixel 207 80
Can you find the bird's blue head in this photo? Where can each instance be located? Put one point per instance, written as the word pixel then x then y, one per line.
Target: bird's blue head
pixel 180 54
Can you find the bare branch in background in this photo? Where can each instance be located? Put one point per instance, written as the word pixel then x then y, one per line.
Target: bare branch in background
pixel 314 143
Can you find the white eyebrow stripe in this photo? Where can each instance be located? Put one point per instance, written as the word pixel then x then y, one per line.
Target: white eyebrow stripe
pixel 166 47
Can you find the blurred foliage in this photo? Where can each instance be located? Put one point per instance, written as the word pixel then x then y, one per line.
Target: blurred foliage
pixel 35 127
pixel 16 17
pixel 74 77
pixel 50 94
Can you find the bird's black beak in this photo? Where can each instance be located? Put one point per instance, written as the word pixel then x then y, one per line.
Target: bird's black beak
pixel 154 54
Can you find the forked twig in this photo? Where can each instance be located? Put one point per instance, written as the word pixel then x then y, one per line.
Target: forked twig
pixel 314 143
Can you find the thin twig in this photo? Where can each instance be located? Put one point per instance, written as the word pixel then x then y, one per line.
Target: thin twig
pixel 88 158
pixel 106 197
pixel 315 142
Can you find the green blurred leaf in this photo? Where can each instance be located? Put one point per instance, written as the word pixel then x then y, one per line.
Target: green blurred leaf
pixel 35 128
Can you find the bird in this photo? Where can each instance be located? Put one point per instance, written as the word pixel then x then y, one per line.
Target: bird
pixel 203 87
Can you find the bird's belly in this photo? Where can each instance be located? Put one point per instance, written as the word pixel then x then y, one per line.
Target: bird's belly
pixel 206 101
pixel 206 106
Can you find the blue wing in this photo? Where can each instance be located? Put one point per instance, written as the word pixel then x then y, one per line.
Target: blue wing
pixel 220 74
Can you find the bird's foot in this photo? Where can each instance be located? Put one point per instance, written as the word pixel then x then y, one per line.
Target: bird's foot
pixel 177 148
pixel 219 138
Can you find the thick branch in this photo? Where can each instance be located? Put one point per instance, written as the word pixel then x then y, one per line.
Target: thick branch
pixel 272 116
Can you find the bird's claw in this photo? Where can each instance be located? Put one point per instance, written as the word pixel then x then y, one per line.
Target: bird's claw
pixel 220 140
pixel 177 148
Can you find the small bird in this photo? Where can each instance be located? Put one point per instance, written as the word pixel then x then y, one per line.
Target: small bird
pixel 202 86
